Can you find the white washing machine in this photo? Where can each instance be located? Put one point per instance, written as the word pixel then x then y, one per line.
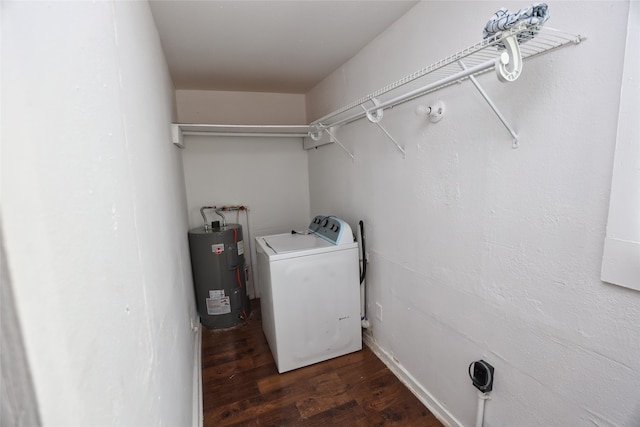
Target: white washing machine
pixel 310 293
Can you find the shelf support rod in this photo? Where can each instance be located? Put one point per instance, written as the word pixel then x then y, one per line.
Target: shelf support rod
pixel 404 154
pixel 337 141
pixel 514 135
pixel 375 118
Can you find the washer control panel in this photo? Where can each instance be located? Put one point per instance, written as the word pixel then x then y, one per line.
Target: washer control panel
pixel 331 229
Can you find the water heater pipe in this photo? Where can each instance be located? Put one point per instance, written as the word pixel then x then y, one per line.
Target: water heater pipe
pixel 224 221
pixel 204 217
pixel 247 242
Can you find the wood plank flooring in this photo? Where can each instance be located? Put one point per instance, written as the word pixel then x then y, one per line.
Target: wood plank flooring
pixel 242 387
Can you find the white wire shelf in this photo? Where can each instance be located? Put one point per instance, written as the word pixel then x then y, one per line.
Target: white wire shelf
pixel 503 53
pixel 477 59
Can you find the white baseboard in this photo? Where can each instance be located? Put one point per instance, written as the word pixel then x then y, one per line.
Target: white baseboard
pixel 441 413
pixel 198 418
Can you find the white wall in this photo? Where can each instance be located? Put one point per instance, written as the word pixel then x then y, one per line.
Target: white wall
pixel 93 214
pixel 268 175
pixel 478 250
pixel 240 108
pixel 621 259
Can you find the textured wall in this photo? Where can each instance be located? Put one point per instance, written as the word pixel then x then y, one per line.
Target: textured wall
pixel 93 214
pixel 481 251
pixel 240 108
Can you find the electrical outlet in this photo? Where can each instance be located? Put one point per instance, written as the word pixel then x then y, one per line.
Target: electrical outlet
pixel 481 374
pixel 195 324
pixel 379 311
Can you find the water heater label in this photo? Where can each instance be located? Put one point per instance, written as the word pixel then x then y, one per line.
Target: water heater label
pixel 217 306
pixel 216 293
pixel 240 247
pixel 217 249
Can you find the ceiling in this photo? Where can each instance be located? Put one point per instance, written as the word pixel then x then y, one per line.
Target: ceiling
pixel 266 45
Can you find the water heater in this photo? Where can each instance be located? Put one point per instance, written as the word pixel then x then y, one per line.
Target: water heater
pixel 217 263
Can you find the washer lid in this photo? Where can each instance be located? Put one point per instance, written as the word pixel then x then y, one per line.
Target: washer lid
pixel 283 243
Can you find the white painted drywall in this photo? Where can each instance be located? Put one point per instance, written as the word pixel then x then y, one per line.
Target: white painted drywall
pixel 480 251
pixel 621 259
pixel 240 108
pixel 268 175
pixel 93 214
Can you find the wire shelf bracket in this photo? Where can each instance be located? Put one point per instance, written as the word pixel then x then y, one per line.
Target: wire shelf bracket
pixel 331 133
pixel 514 135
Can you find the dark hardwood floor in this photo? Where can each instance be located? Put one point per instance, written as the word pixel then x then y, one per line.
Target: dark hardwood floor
pixel 242 387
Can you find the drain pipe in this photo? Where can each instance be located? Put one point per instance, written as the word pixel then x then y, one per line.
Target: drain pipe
pixel 363 273
pixel 482 398
pixel 481 374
